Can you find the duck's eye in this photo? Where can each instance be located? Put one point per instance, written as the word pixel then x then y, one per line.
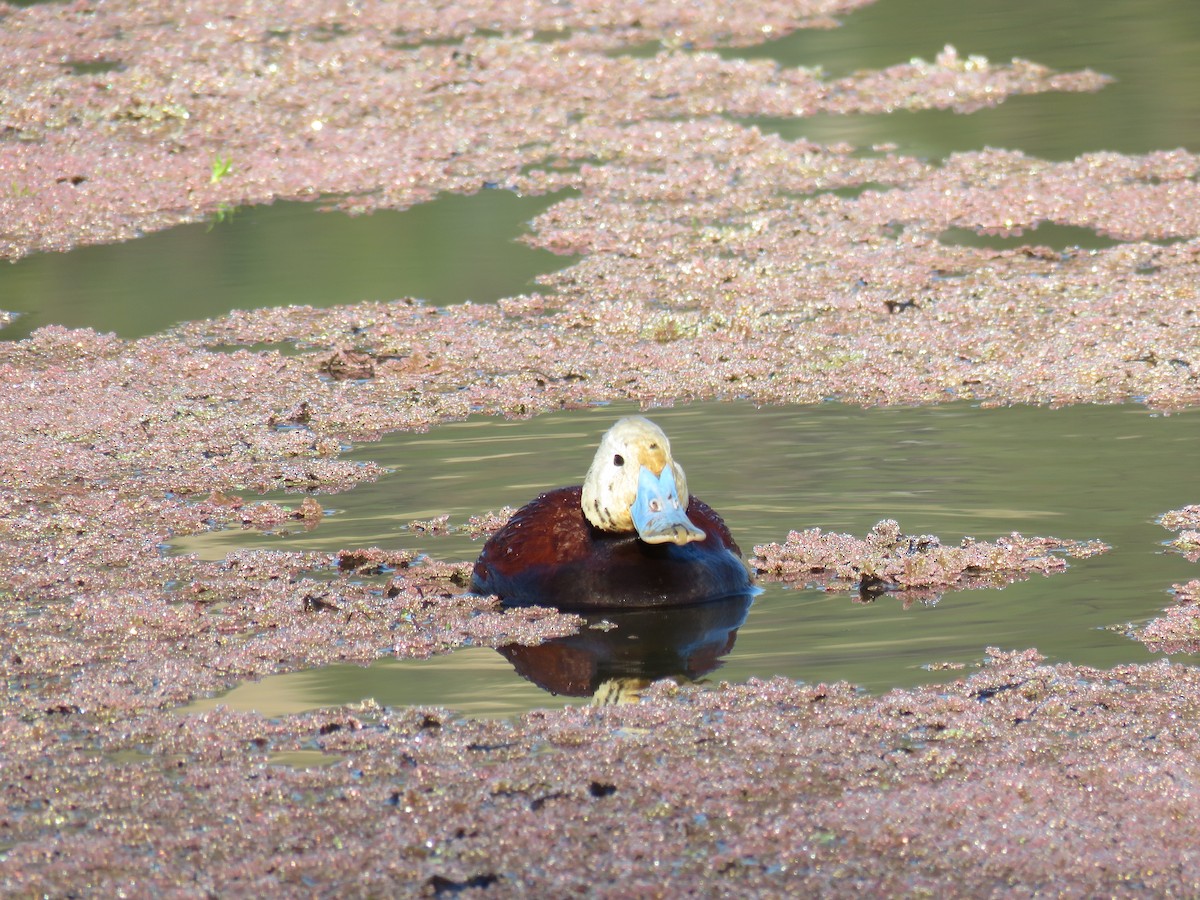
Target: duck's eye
pixel 618 460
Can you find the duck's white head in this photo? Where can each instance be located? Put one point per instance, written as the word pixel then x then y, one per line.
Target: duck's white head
pixel 635 485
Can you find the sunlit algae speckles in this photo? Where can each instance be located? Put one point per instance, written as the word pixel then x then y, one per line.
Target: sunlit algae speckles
pixel 729 263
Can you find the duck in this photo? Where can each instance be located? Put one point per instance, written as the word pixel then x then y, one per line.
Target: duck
pixel 631 536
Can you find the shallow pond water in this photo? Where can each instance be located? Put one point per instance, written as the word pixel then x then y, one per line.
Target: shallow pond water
pixel 287 253
pixel 1151 49
pixel 1080 472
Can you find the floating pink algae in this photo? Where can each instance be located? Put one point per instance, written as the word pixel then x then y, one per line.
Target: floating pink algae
pixel 1187 522
pixel 105 155
pixel 911 566
pixel 1177 630
pixel 1187 518
pixel 1007 780
pixel 732 264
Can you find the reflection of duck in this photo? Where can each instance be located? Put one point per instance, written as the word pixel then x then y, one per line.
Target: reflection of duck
pixel 611 664
pixel 623 539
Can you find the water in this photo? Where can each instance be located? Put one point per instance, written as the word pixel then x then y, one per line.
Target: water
pixel 279 255
pixel 1151 49
pixel 1103 472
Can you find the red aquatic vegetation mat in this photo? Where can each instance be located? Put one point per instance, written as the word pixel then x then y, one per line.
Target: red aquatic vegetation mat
pixel 711 260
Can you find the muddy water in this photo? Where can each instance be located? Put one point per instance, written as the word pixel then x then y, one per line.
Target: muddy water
pixel 1080 472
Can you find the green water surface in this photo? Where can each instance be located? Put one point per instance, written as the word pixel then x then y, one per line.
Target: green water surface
pixel 1103 472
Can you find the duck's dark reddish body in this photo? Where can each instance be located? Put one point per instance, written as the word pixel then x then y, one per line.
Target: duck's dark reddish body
pixel 549 554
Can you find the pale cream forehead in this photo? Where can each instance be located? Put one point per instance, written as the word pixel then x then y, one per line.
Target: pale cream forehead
pixel 639 429
pixel 641 440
